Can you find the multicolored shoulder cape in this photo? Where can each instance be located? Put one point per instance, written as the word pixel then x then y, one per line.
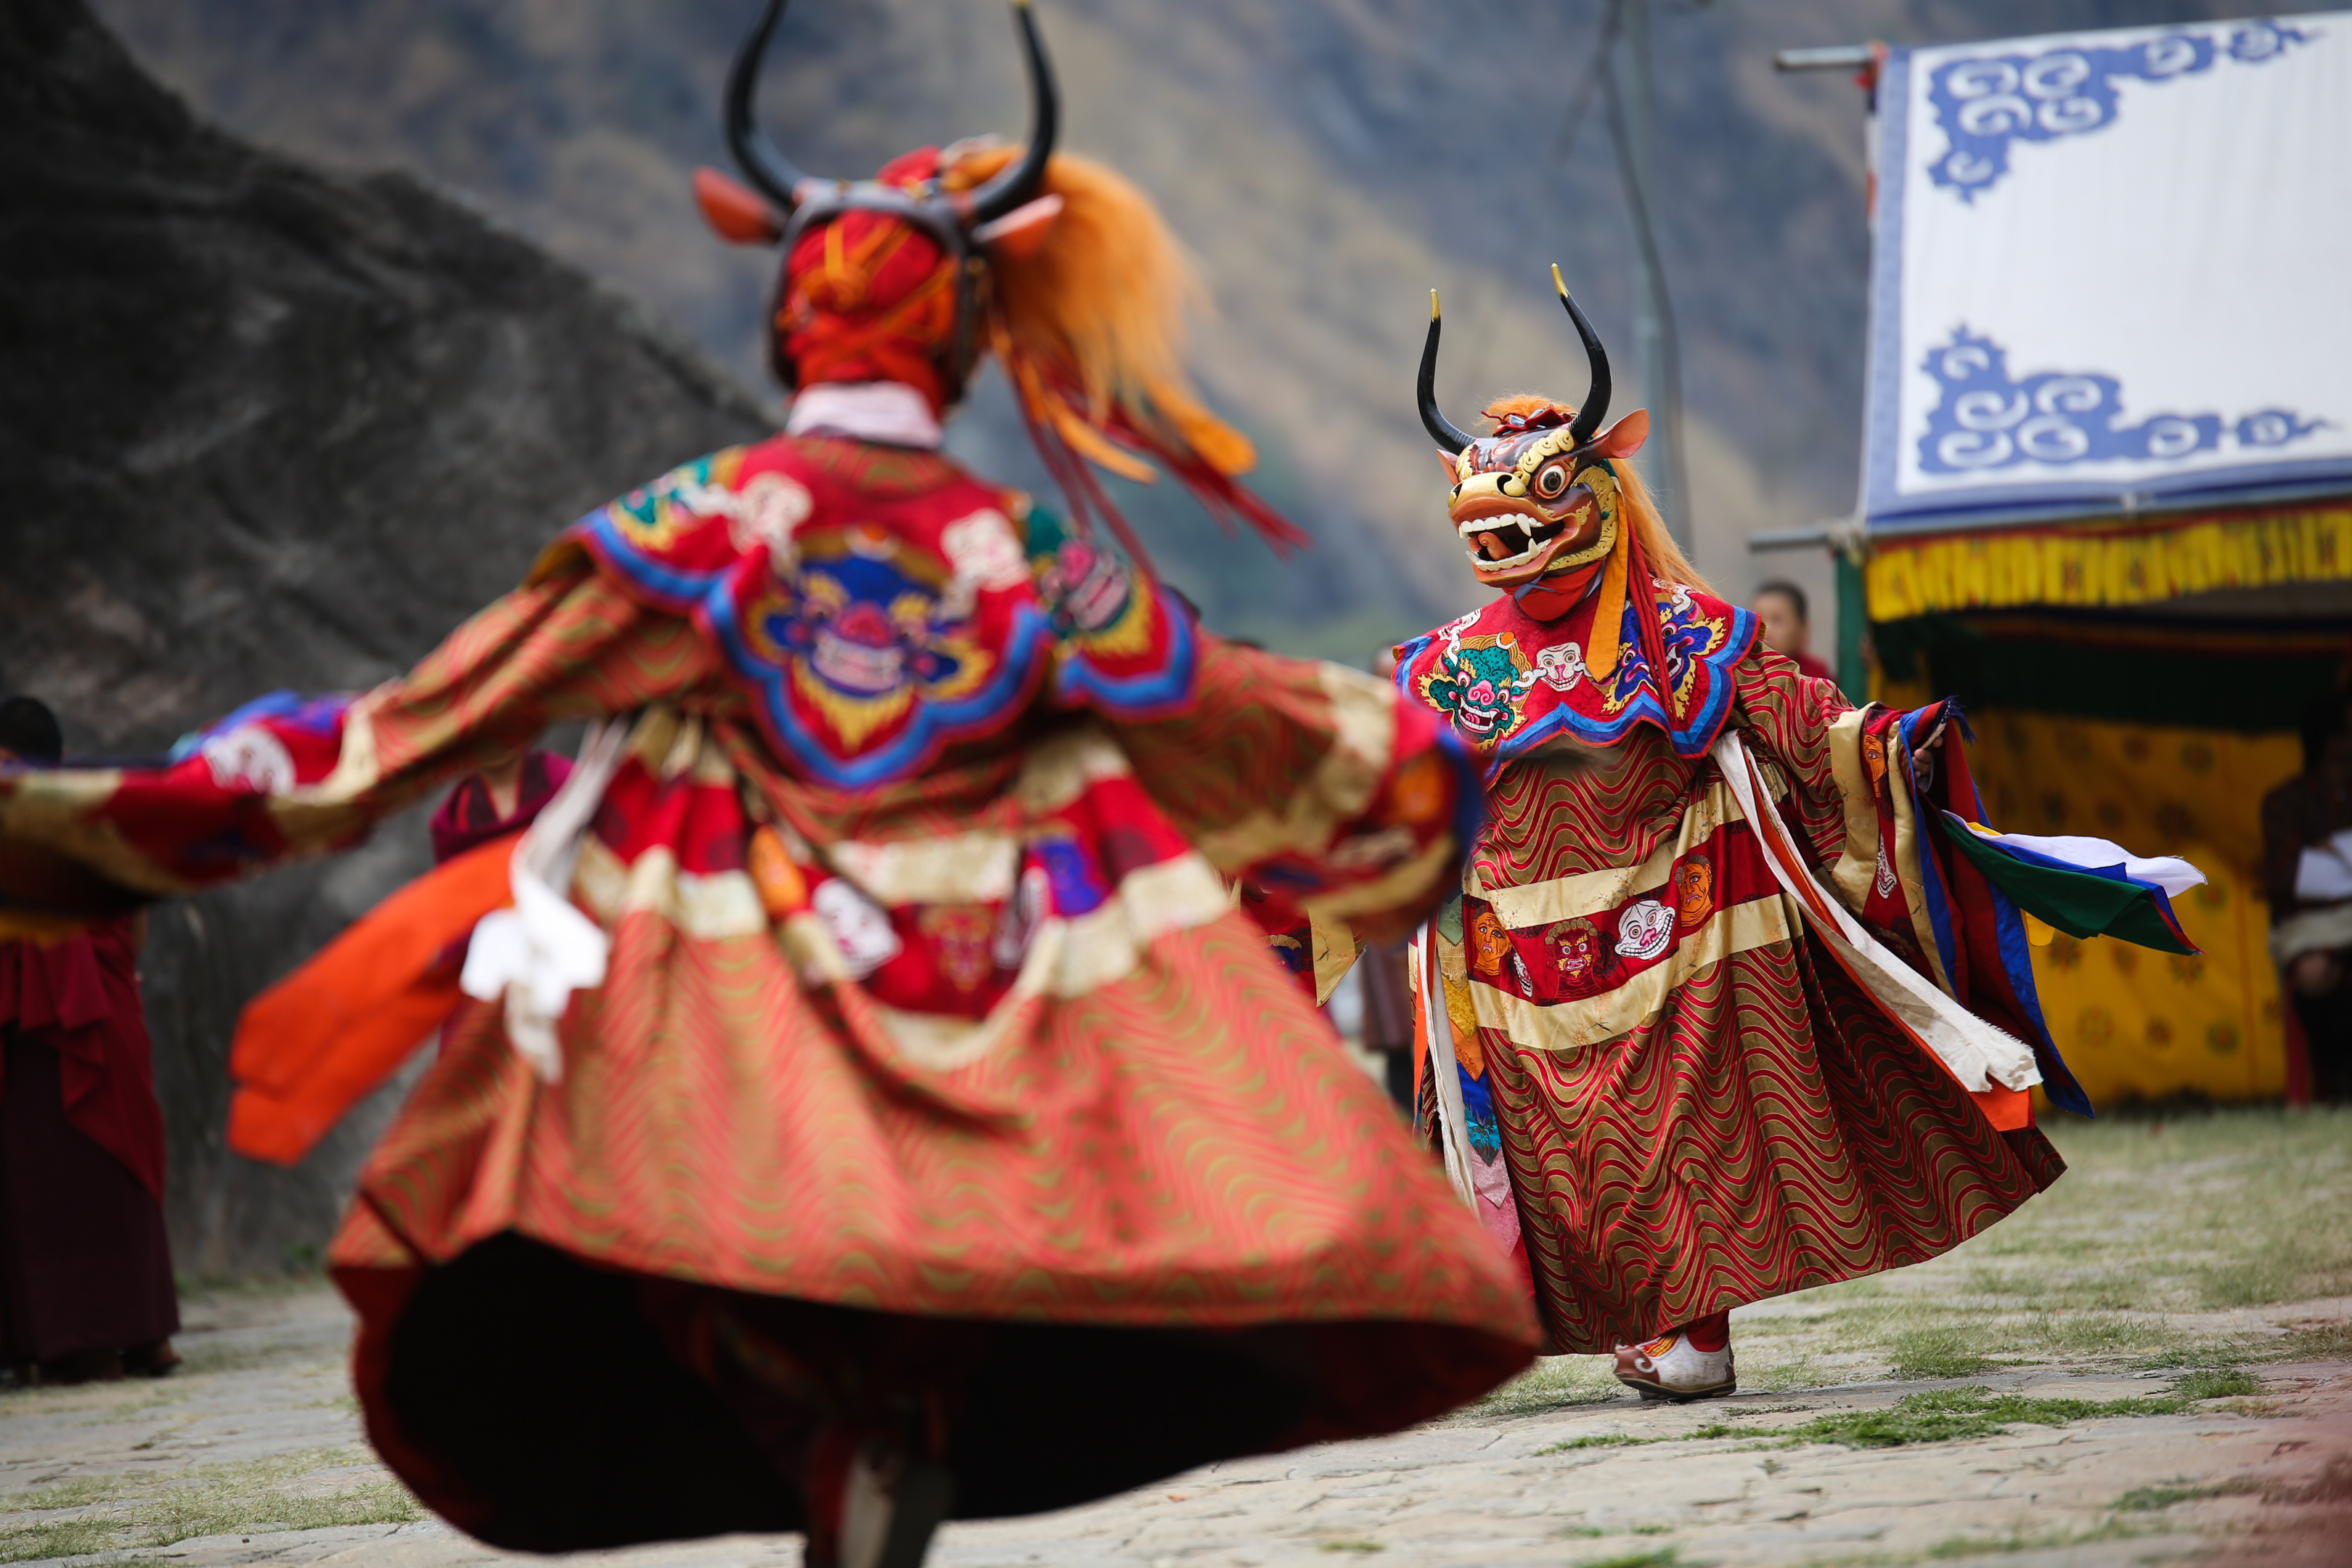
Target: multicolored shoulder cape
pixel 878 605
pixel 1509 682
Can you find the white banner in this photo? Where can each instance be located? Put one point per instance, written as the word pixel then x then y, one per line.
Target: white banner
pixel 2111 268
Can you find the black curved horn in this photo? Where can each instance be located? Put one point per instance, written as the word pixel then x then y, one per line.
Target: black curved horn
pixel 1009 188
pixel 1595 408
pixel 1440 431
pixel 776 175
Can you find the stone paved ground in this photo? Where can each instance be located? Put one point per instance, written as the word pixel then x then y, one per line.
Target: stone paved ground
pixel 2209 1416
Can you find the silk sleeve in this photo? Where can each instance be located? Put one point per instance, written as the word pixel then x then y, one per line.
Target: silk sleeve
pixel 1314 785
pixel 285 777
pixel 1790 717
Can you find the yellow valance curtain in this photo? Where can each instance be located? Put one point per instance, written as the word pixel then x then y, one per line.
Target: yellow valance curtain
pixel 2107 565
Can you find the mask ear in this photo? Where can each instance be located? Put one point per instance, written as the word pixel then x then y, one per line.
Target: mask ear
pixel 1016 235
pixel 737 213
pixel 1625 438
pixel 1445 460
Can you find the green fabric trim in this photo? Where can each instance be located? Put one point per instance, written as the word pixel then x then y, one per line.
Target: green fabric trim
pixel 2076 902
pixel 1853 629
pixel 2185 687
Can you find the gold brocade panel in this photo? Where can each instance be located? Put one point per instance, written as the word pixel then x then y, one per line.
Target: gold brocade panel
pixel 2131 1022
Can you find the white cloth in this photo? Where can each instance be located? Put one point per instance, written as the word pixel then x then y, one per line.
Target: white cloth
pixel 1437 1044
pixel 2323 872
pixel 2171 872
pixel 1978 1054
pixel 2043 204
pixel 538 952
pixel 889 412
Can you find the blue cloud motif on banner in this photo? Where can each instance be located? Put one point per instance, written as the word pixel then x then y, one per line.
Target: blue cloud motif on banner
pixel 1986 103
pixel 1985 420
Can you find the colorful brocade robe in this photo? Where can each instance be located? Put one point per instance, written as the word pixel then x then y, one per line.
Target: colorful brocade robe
pixel 1660 1074
pixel 927 991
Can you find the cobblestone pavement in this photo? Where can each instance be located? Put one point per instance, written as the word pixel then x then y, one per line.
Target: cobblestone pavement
pixel 209 1468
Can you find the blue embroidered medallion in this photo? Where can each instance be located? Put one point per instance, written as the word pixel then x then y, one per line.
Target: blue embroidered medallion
pixel 1984 419
pixel 1985 103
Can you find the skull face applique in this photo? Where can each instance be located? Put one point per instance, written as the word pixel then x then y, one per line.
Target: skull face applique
pixel 861 928
pixel 1644 930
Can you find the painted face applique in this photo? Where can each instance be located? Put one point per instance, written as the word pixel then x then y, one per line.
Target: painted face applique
pixel 1644 930
pixel 1490 943
pixel 1693 893
pixel 1577 943
pixel 1478 683
pixel 960 935
pixel 860 928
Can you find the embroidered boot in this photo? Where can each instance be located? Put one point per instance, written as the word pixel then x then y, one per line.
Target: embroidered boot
pixel 1693 1362
pixel 870 1505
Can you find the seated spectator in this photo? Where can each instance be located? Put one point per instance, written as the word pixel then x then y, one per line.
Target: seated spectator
pixel 86 1287
pixel 2307 876
pixel 1787 627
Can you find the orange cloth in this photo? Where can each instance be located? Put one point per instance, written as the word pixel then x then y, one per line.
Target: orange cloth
pixel 312 1046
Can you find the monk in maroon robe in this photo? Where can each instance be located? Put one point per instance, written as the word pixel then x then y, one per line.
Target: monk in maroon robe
pixel 86 1285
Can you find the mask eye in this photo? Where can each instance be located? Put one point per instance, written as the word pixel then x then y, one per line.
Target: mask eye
pixel 1551 481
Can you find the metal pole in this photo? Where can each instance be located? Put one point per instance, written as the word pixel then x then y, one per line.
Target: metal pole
pixel 1654 334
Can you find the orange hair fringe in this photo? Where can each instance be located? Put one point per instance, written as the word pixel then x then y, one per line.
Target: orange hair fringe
pixel 1089 327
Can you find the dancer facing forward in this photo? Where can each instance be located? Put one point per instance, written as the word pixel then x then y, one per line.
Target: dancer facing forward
pixel 878 1110
pixel 1735 999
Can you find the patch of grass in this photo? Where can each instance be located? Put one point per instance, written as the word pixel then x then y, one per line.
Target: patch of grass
pixel 2200 1353
pixel 1659 1557
pixel 2326 1342
pixel 1352 1546
pixel 79 1491
pixel 241 1499
pixel 1959 1546
pixel 1800 1370
pixel 2216 1383
pixel 2151 1500
pixel 2102 1333
pixel 1956 1415
pixel 1607 1440
pixel 1943 1352
pixel 60 1538
pixel 1552 1383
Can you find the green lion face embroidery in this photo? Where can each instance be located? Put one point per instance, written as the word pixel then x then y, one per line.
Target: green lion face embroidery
pixel 1478 683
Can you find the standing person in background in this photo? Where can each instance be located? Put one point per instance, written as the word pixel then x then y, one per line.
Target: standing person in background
pixel 505 797
pixel 2307 876
pixel 86 1288
pixel 1788 629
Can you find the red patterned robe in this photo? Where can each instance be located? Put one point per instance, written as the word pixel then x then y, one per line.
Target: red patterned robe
pixel 933 1070
pixel 1675 1098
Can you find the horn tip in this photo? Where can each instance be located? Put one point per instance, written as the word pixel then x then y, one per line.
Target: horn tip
pixel 1557 282
pixel 1432 304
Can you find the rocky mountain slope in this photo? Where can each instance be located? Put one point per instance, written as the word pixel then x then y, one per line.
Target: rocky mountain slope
pixel 1328 161
pixel 264 426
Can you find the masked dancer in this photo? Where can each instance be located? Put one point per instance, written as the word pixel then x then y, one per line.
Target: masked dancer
pixel 861 1102
pixel 1735 999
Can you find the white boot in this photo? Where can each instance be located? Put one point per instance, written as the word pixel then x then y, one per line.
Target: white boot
pixel 1671 1367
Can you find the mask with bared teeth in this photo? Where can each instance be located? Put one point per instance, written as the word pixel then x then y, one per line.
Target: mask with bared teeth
pixel 1537 503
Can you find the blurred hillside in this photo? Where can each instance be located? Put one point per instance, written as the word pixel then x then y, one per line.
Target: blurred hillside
pixel 1328 161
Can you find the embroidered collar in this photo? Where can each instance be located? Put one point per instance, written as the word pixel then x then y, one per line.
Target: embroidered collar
pixel 1509 682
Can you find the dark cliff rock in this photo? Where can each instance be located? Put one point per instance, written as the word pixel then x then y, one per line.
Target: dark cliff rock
pixel 263 426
